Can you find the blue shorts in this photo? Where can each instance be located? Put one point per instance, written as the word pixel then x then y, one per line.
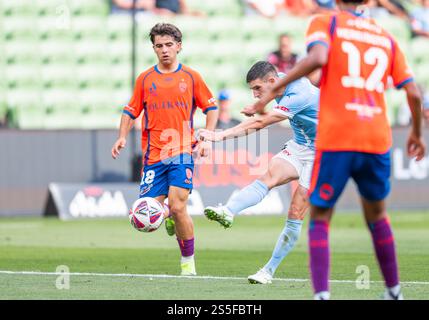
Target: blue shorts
pixel 332 170
pixel 158 177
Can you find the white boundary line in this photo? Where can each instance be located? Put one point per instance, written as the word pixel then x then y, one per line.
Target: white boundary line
pixel 166 276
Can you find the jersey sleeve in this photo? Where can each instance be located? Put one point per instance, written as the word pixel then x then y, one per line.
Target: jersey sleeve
pixel 318 32
pixel 203 97
pixel 401 72
pixel 135 106
pixel 289 105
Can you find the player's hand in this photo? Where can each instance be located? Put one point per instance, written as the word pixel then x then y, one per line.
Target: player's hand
pixel 204 149
pixel 249 111
pixel 208 135
pixel 416 147
pixel 116 149
pixel 257 107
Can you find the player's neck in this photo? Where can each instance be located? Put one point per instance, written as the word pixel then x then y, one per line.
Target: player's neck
pixel 168 68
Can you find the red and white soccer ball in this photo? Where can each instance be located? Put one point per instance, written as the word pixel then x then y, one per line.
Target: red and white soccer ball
pixel 147 214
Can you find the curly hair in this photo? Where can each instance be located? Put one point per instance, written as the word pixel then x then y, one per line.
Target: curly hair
pixel 165 29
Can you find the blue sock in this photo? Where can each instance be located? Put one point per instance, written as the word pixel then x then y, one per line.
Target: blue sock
pixel 247 197
pixel 284 245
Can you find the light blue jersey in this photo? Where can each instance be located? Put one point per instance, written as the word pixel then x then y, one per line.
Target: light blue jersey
pixel 300 103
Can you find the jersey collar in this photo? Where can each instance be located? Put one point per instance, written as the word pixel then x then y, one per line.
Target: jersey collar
pixel 179 67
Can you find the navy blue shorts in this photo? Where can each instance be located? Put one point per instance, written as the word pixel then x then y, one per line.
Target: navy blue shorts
pixel 158 177
pixel 332 170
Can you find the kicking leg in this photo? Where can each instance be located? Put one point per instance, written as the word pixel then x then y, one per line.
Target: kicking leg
pixel 278 173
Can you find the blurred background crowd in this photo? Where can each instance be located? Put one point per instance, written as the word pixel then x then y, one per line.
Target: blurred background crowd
pixel 67 63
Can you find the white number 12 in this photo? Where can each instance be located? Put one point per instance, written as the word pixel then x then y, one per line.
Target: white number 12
pixel 373 56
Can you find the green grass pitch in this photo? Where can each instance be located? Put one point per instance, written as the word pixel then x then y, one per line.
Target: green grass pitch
pixel 224 259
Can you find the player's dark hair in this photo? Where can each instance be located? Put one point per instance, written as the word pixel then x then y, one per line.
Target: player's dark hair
pixel 165 29
pixel 260 70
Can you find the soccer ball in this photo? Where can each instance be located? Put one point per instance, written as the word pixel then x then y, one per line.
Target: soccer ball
pixel 147 214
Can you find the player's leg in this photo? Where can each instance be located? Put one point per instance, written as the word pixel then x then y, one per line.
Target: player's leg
pixel 177 200
pixel 279 172
pixel 330 174
pixel 297 210
pixel 287 238
pixel 318 237
pixel 372 178
pixel 292 230
pixel 180 175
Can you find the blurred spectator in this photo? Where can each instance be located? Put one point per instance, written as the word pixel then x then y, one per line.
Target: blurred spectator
pixel 420 20
pixel 323 5
pixel 173 7
pixel 160 7
pixel 125 6
pixel 266 8
pixel 300 7
pixel 225 118
pixel 380 8
pixel 283 59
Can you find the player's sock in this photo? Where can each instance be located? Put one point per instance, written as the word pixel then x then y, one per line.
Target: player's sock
pixel 187 262
pixel 186 247
pixel 247 197
pixel 318 234
pixel 384 245
pixel 285 243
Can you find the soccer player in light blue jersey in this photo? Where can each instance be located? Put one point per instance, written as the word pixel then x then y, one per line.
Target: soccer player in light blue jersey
pixel 298 103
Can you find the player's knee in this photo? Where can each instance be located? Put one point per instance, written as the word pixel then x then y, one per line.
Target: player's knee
pixel 178 210
pixel 296 212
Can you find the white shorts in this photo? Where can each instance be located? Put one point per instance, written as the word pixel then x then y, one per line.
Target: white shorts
pixel 301 157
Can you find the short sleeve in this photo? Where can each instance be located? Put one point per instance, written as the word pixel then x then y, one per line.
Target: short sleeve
pixel 290 105
pixel 135 106
pixel 318 31
pixel 401 72
pixel 203 97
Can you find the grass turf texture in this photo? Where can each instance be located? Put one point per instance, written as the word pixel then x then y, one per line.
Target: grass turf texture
pixel 113 246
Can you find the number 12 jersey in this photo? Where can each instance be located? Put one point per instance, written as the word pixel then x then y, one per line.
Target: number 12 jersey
pixel 362 57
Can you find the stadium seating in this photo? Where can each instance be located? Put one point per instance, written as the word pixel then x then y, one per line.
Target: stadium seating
pixel 68 64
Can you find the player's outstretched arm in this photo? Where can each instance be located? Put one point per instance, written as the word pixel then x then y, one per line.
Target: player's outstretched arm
pixel 244 128
pixel 415 145
pixel 317 57
pixel 126 124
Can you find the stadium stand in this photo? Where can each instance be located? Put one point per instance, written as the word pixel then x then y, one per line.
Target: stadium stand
pixel 67 64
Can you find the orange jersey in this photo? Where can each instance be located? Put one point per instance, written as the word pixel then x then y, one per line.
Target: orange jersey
pixel 362 57
pixel 168 102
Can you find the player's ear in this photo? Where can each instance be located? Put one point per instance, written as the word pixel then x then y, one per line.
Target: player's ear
pixel 179 47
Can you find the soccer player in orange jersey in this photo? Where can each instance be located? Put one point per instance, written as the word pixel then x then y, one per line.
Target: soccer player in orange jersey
pixel 168 95
pixel 353 138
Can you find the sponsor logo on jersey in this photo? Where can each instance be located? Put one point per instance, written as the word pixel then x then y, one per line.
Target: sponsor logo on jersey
pixel 282 108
